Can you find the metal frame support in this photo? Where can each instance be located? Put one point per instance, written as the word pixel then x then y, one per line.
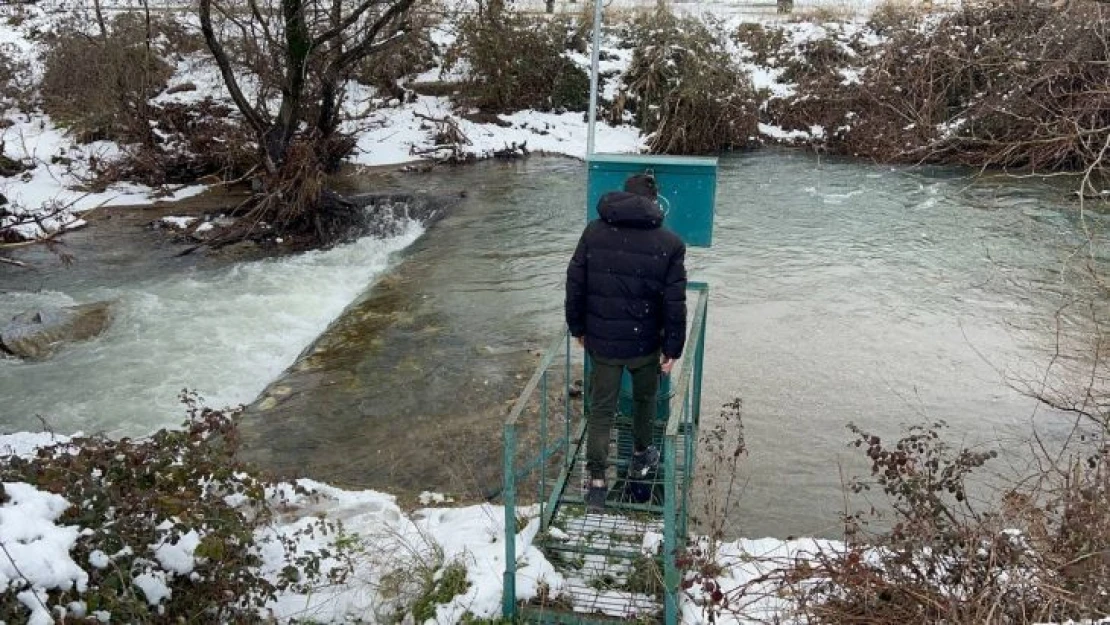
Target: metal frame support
pixel 595 60
pixel 508 594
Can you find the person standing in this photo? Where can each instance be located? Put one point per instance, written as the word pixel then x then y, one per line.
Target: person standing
pixel 626 305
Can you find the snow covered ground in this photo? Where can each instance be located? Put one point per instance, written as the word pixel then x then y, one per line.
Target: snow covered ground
pixel 387 541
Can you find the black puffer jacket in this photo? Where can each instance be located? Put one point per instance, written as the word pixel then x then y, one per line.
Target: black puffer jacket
pixel 626 283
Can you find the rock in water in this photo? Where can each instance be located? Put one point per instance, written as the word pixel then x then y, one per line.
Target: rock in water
pixel 36 334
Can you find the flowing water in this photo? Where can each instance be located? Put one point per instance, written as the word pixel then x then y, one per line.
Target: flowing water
pixel 841 292
pixel 222 330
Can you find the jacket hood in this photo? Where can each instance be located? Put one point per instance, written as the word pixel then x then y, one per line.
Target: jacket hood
pixel 621 208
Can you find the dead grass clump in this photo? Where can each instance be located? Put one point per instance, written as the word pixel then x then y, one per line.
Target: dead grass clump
pixel 15 87
pixel 822 14
pixel 518 62
pixel 100 87
pixel 685 90
pixel 893 16
pixel 817 57
pixel 764 42
pixel 169 36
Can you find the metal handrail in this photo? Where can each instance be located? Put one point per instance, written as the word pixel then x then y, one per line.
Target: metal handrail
pixel 510 474
pixel 685 409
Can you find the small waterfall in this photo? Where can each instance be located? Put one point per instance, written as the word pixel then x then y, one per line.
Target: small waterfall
pixel 222 332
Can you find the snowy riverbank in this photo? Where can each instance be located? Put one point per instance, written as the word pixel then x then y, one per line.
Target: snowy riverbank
pixel 379 544
pixel 58 170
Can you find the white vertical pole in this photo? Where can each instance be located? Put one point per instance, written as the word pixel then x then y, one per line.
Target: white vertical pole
pixel 595 58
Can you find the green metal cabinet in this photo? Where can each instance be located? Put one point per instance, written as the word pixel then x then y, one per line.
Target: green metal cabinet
pixel 687 189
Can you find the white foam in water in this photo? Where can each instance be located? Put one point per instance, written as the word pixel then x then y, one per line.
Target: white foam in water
pixel 224 333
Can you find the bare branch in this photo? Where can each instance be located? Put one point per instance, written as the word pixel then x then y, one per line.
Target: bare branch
pixel 253 117
pixel 369 43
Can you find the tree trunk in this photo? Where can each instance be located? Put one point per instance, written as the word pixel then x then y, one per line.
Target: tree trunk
pixel 297 49
pixel 100 20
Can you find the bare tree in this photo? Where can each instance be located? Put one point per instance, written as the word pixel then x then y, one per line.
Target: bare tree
pixel 310 49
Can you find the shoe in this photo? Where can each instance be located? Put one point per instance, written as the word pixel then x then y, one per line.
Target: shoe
pixel 595 497
pixel 642 472
pixel 644 464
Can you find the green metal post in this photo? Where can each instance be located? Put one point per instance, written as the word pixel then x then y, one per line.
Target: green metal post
pixel 687 465
pixel 692 419
pixel 699 350
pixel 670 544
pixel 543 443
pixel 508 594
pixel 567 459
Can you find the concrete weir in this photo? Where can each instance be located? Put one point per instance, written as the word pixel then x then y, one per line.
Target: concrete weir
pixel 392 395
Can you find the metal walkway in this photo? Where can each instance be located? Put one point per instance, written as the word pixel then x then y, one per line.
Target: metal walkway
pixel 624 564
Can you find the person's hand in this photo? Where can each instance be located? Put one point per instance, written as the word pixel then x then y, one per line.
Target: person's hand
pixel 666 363
pixel 581 340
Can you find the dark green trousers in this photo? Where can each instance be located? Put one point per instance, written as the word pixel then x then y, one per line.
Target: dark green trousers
pixel 605 387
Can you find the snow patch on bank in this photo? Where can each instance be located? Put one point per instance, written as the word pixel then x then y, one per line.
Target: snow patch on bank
pixel 25 444
pixel 36 557
pixel 405 134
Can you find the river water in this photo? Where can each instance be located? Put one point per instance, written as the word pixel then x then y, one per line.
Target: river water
pixel 841 292
pixel 221 329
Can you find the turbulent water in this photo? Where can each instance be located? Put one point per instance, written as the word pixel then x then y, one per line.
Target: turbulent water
pixel 223 332
pixel 841 292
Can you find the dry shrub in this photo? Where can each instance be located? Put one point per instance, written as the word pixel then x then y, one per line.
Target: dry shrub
pixel 1037 556
pixel 823 14
pixel 1045 100
pixel 685 90
pixel 518 62
pixel 15 87
pixel 134 495
pixel 414 54
pixel 892 16
pixel 924 78
pixel 1003 84
pixel 817 58
pixel 296 202
pixel 764 42
pixel 100 87
pixel 169 36
pixel 191 142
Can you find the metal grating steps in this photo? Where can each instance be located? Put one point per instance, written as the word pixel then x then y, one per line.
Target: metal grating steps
pixel 609 563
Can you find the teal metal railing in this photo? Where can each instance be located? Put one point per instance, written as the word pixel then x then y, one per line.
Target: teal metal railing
pixel 535 402
pixel 681 434
pixel 542 438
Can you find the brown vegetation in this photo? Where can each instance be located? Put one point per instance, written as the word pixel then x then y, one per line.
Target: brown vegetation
pixel 1000 84
pixel 15 87
pixel 518 62
pixel 304 51
pixel 190 142
pixel 684 90
pixel 99 87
